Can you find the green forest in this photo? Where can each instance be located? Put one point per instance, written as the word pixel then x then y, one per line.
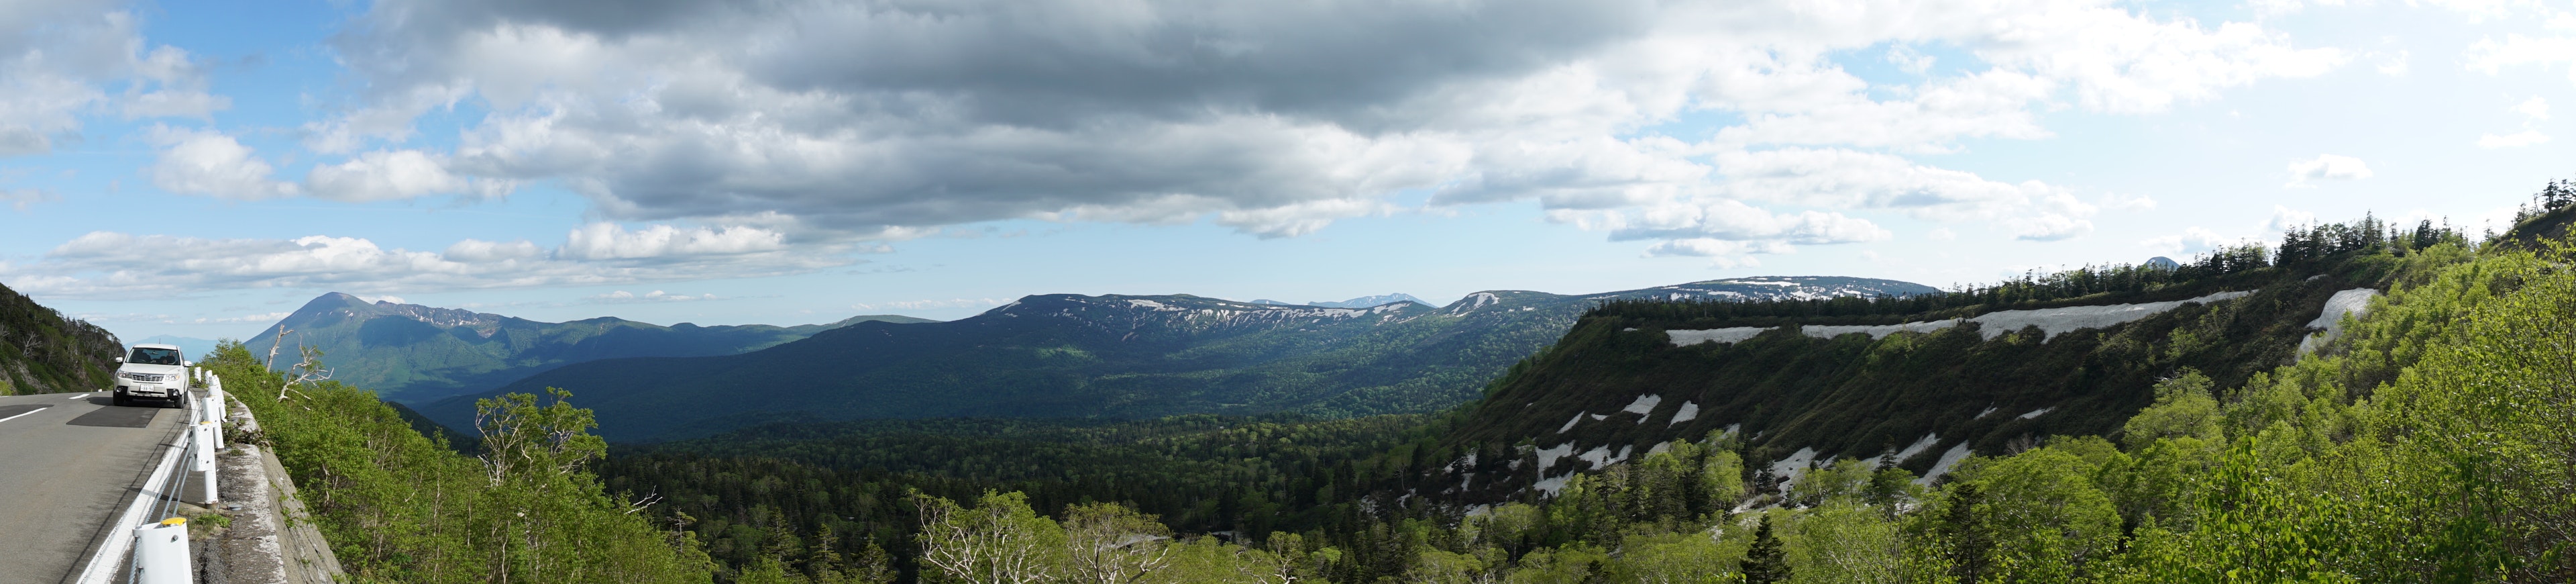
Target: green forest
pixel 2428 442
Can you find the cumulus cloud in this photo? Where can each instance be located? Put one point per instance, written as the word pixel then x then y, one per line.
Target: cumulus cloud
pixel 602 241
pixel 393 175
pixel 2532 111
pixel 108 264
pixel 2285 218
pixel 1274 119
pixel 2191 240
pixel 2326 167
pixel 57 57
pixel 206 162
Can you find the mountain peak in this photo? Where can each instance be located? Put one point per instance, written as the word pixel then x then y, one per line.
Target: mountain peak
pixel 1372 301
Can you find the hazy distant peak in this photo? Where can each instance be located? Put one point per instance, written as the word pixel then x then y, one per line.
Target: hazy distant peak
pixel 2163 263
pixel 1369 301
pixel 1270 302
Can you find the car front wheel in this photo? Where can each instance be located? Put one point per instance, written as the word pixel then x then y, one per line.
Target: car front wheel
pixel 119 399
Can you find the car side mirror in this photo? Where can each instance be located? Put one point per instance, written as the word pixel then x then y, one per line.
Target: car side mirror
pixel 120 359
pixel 187 363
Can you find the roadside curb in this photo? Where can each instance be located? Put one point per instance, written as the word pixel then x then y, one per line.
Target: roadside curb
pixel 303 555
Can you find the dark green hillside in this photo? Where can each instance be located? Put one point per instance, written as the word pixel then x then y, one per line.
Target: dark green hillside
pixel 417 353
pixel 1114 356
pixel 42 351
pixel 1852 396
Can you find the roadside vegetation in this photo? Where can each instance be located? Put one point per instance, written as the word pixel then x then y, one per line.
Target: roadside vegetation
pixel 400 507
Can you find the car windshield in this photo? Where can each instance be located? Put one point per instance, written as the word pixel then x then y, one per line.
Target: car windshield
pixel 152 356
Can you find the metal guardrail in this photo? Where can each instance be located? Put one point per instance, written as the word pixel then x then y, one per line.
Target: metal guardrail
pixel 149 539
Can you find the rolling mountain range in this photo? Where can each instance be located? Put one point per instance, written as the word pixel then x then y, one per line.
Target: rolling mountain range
pixel 1116 356
pixel 42 351
pixel 413 353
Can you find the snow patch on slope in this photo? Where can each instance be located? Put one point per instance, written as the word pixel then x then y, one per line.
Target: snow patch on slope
pixel 2355 302
pixel 1688 412
pixel 2037 413
pixel 1949 459
pixel 1729 335
pixel 2054 321
pixel 1644 405
pixel 1788 469
pixel 1928 441
pixel 1876 331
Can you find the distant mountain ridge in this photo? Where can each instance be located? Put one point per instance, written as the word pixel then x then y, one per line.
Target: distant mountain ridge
pixel 410 352
pixel 1369 301
pixel 42 351
pixel 1116 356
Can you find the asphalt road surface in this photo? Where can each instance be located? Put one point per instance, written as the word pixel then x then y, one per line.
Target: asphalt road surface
pixel 68 463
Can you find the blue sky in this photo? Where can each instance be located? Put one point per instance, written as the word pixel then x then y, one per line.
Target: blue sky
pixel 197 169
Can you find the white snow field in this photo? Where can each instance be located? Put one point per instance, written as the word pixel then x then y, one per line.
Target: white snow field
pixel 1827 331
pixel 1689 411
pixel 2051 322
pixel 2355 302
pixel 1730 335
pixel 1644 406
pixel 1949 459
pixel 1928 441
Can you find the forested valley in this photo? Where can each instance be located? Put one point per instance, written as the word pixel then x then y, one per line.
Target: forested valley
pixel 2426 442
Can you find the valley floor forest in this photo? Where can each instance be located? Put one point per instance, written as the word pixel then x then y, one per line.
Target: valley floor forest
pixel 2430 441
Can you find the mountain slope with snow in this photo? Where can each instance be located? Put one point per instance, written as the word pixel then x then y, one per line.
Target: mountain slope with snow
pixel 1118 356
pixel 1804 384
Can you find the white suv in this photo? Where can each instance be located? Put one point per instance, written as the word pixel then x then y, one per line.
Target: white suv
pixel 153 371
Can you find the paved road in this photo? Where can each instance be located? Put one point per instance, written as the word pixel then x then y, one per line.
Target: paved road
pixel 68 462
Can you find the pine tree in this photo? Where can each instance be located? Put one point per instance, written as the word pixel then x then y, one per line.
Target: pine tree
pixel 1766 562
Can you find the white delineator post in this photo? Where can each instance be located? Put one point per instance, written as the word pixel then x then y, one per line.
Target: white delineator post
pixel 161 553
pixel 206 431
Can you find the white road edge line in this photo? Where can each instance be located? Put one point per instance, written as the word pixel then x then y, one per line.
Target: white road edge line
pixel 23 414
pixel 81 395
pixel 120 538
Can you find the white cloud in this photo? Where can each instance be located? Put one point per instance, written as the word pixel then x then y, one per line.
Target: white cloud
pixel 2536 108
pixel 107 264
pixel 2284 218
pixel 384 176
pixel 1735 221
pixel 205 162
pixel 58 56
pixel 261 318
pixel 656 296
pixel 2513 140
pixel 2395 65
pixel 601 241
pixel 2326 167
pixel 1274 119
pixel 2492 56
pixel 2192 240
